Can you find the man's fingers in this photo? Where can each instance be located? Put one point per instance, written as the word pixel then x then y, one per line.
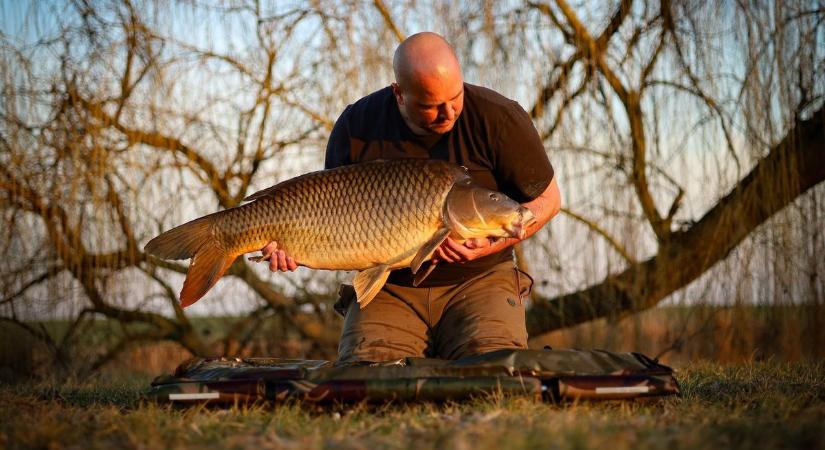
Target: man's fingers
pixel 268 249
pixel 459 249
pixel 281 257
pixel 278 259
pixel 463 253
pixel 447 251
pixel 273 263
pixel 440 255
pixel 476 243
pixel 448 254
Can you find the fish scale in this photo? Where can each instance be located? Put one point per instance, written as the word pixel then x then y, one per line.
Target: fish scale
pixel 370 217
pixel 354 225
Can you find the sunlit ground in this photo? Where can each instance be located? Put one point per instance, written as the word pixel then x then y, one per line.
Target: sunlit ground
pixel 761 405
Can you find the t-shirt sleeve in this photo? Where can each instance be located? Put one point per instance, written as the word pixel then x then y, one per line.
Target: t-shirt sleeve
pixel 338 145
pixel 522 168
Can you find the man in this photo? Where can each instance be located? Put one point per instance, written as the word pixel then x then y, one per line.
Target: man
pixel 472 301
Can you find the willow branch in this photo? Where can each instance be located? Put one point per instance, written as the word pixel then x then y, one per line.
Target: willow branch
pixel 603 233
pixel 314 115
pixel 206 170
pixel 670 27
pixel 547 92
pixel 311 328
pixel 632 103
pixel 385 13
pixel 31 283
pixel 792 167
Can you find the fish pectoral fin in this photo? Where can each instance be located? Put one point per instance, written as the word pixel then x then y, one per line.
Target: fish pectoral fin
pixel 420 276
pixel 368 282
pixel 428 248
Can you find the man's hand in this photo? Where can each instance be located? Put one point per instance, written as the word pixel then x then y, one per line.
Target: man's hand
pixel 278 259
pixel 452 251
pixel 544 207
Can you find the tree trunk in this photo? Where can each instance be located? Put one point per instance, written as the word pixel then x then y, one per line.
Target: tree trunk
pixel 792 167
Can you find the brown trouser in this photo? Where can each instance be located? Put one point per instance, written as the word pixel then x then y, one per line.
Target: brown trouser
pixel 480 315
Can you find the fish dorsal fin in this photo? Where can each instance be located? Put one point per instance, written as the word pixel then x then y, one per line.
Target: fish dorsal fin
pixel 280 187
pixel 368 282
pixel 263 193
pixel 426 250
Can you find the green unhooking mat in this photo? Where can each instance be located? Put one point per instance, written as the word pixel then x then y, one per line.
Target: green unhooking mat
pixel 548 374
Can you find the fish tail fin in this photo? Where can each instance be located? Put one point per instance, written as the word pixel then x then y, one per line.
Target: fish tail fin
pixel 183 241
pixel 194 240
pixel 207 266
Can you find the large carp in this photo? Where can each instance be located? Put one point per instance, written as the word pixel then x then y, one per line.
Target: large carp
pixel 371 217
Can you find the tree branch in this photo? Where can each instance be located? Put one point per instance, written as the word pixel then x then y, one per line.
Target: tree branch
pixel 793 166
pixel 33 282
pixel 209 173
pixel 603 233
pixel 310 328
pixel 631 100
pixel 385 13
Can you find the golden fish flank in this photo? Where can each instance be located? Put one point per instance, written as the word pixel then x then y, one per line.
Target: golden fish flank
pixel 371 217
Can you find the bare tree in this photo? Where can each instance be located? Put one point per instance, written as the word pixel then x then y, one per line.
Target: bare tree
pixel 627 70
pixel 677 130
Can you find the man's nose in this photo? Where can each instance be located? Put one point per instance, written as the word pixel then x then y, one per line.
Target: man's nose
pixel 446 111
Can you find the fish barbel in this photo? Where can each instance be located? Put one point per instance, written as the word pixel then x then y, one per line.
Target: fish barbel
pixel 371 217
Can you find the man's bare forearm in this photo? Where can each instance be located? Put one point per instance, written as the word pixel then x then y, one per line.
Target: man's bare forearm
pixel 544 207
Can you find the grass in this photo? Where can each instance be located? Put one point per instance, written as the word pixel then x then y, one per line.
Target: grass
pixel 759 405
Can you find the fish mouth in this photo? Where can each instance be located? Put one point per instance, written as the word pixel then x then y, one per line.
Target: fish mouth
pixel 516 231
pixel 518 228
pixel 527 217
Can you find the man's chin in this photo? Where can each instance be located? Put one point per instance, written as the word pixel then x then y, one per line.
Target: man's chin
pixel 441 128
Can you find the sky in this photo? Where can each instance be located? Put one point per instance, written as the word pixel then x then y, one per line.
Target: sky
pixel 688 146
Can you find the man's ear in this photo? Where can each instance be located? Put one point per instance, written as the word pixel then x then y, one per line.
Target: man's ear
pixel 396 91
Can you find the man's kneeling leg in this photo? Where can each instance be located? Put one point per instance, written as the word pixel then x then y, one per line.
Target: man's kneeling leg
pixel 389 328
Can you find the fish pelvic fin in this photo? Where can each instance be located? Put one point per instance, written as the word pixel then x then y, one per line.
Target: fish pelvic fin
pixel 420 276
pixel 368 282
pixel 206 268
pixel 426 250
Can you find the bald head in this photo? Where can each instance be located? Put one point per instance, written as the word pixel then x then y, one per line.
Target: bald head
pixel 429 87
pixel 424 56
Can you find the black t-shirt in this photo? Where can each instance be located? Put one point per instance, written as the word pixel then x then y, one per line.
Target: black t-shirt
pixel 493 138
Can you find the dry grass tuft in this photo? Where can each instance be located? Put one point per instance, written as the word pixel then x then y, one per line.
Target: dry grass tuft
pixel 760 405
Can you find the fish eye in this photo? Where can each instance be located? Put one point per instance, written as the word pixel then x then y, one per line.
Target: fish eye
pixel 493 196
